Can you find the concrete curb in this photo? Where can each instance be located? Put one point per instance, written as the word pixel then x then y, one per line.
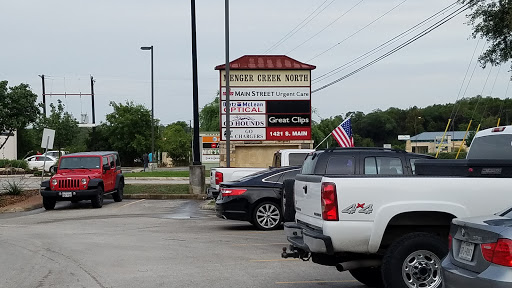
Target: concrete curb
pixel 156 178
pixel 165 196
pixel 21 209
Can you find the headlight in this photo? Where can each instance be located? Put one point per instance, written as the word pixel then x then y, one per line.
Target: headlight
pixel 84 180
pixel 54 181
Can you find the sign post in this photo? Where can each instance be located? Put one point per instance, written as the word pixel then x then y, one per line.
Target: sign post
pixel 46 142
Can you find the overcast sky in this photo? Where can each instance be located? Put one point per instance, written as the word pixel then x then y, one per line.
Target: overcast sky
pixel 70 40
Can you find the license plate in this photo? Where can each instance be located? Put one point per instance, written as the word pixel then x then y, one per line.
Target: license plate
pixel 66 194
pixel 466 251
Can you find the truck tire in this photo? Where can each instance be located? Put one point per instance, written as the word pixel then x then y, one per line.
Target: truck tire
pixel 371 276
pixel 49 203
pixel 118 195
pixel 288 200
pixel 414 260
pixel 267 216
pixel 97 201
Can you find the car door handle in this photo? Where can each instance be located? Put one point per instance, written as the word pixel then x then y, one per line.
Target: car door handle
pixel 305 187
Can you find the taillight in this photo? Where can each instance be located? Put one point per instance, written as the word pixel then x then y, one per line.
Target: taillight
pixel 498 129
pixel 498 253
pixel 329 202
pixel 219 177
pixel 450 239
pixel 231 192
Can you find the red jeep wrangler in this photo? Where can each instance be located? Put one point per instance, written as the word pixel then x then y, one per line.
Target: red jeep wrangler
pixel 84 176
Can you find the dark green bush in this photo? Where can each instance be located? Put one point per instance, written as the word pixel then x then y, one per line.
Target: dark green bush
pixel 449 155
pixel 4 163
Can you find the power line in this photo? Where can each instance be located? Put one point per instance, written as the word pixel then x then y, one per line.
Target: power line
pixel 401 46
pixel 329 25
pixel 455 112
pixel 382 46
pixel 299 27
pixel 353 34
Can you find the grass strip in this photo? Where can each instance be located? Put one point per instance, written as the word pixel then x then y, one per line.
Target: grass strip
pixel 159 174
pixel 156 189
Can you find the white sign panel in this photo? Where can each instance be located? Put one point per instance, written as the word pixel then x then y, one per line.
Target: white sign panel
pixel 246 134
pixel 404 137
pixel 238 121
pixel 211 158
pixel 245 107
pixel 268 93
pixel 48 137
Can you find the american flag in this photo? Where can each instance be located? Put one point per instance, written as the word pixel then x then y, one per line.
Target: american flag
pixel 343 134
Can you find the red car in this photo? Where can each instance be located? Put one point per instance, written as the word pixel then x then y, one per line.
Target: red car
pixel 84 176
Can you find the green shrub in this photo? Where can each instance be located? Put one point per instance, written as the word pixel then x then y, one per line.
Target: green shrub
pixel 4 163
pixel 13 188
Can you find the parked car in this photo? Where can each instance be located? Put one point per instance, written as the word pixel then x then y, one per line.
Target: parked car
pixel 85 176
pixel 255 198
pixel 37 162
pixel 56 153
pixel 480 252
pixel 281 158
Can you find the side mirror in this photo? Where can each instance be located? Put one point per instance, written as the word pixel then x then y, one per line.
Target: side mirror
pixel 106 167
pixel 53 169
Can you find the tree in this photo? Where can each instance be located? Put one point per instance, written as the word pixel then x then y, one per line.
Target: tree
pixel 128 130
pixel 64 124
pixel 176 142
pixel 209 116
pixel 492 20
pixel 18 108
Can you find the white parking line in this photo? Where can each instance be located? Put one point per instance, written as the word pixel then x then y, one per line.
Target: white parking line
pixel 274 260
pixel 131 203
pixel 312 282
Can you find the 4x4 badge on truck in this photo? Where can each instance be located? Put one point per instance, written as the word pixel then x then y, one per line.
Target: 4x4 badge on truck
pixel 363 208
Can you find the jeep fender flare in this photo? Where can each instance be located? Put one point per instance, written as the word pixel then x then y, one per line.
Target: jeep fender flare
pixel 387 212
pixel 45 184
pixel 94 183
pixel 119 179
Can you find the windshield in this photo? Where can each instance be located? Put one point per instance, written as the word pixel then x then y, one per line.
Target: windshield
pixel 80 162
pixel 491 147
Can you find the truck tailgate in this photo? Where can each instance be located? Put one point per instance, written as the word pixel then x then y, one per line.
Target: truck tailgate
pixel 308 204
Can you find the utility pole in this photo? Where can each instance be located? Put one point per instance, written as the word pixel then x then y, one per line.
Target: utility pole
pixel 197 173
pixel 92 103
pixel 44 95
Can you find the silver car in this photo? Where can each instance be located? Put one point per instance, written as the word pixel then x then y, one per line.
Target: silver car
pixel 480 252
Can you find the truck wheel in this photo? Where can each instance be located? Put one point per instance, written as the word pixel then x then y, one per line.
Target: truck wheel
pixel 118 195
pixel 49 203
pixel 371 276
pixel 267 216
pixel 414 261
pixel 288 199
pixel 97 201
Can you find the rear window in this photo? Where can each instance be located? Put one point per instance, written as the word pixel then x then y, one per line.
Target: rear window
pixel 308 167
pixel 491 147
pixel 296 159
pixel 383 166
pixel 340 165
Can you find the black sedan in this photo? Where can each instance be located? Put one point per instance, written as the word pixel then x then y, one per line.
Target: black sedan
pixel 255 198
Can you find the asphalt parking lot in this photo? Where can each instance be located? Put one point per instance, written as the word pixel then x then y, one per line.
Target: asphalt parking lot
pixel 148 243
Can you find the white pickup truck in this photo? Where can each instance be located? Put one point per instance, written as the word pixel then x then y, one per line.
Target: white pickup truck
pixel 359 210
pixel 282 158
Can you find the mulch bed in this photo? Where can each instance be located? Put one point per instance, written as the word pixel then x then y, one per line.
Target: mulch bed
pixel 6 200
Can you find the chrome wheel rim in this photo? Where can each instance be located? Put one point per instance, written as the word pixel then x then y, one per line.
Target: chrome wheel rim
pixel 422 269
pixel 268 216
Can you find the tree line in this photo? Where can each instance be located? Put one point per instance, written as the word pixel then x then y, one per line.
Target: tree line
pixel 127 129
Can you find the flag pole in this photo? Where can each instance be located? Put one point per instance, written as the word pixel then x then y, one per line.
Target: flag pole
pixel 323 140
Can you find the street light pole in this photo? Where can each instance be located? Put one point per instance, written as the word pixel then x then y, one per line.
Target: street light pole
pixel 152 106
